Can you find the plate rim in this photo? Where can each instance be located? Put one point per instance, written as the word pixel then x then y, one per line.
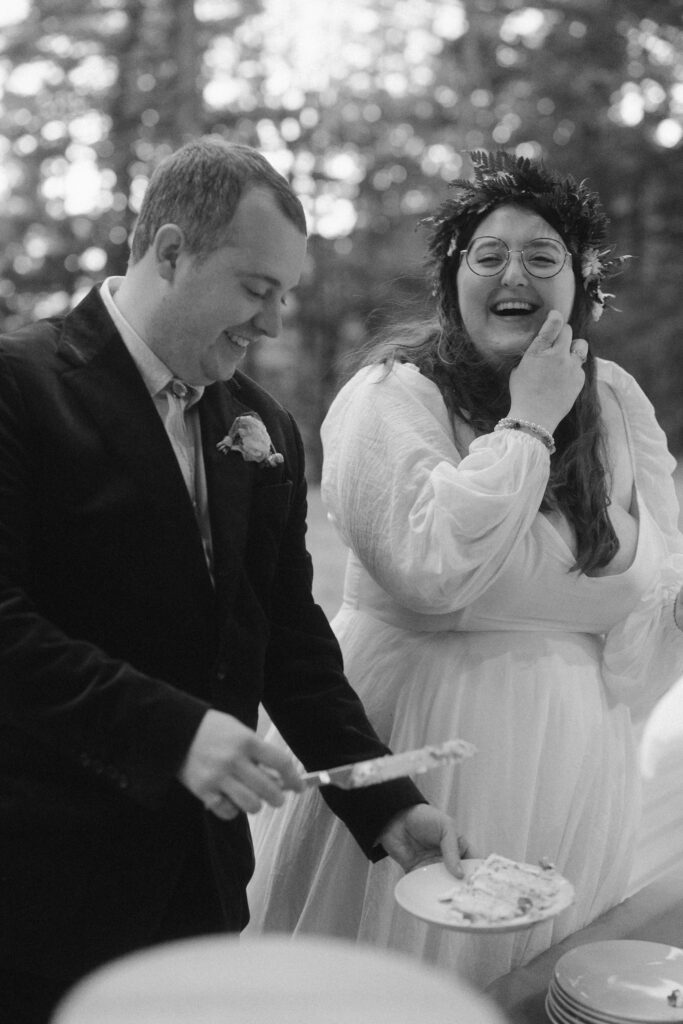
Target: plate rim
pixel 582 1014
pixel 644 1015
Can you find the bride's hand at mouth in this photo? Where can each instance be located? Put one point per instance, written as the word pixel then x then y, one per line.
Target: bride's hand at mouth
pixel 549 377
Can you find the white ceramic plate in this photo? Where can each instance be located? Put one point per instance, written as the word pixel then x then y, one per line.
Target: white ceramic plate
pixel 420 892
pixel 623 978
pixel 575 1011
pixel 558 1016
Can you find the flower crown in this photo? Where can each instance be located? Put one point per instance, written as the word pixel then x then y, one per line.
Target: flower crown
pixel 569 206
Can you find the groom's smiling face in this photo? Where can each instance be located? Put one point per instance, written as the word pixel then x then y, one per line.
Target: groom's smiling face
pixel 212 307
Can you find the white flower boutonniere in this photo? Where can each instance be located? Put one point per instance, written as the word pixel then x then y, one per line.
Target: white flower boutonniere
pixel 249 437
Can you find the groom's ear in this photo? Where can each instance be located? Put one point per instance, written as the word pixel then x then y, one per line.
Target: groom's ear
pixel 168 243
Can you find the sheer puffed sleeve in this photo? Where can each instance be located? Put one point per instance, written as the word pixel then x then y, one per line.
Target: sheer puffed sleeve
pixel 434 530
pixel 643 654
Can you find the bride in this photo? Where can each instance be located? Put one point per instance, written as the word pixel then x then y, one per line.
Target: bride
pixel 513 573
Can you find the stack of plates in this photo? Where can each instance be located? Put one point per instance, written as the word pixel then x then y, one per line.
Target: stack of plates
pixel 617 982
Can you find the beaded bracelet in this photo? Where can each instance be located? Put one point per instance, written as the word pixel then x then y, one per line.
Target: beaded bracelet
pixel 540 433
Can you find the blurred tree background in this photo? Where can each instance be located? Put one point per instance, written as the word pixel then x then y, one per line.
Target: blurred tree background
pixel 369 107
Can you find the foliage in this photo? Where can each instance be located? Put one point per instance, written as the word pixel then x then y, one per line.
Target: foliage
pixel 369 107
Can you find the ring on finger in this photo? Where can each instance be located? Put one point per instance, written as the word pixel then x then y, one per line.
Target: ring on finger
pixel 215 802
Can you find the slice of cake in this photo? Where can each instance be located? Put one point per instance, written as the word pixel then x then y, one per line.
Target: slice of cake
pixel 500 889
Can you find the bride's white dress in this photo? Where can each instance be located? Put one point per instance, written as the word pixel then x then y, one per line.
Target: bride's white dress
pixel 462 618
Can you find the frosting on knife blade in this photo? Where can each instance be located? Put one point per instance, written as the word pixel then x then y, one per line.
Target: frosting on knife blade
pixel 411 762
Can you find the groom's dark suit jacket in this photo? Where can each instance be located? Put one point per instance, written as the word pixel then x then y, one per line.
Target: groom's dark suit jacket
pixel 114 643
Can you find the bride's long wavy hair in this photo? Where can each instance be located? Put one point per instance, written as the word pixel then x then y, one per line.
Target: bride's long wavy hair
pixel 478 392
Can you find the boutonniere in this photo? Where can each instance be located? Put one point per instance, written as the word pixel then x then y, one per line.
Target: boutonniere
pixel 249 437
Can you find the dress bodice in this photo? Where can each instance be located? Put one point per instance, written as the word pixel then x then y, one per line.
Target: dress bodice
pixel 536 589
pixel 448 537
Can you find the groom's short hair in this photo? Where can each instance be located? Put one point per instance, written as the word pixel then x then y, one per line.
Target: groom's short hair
pixel 199 186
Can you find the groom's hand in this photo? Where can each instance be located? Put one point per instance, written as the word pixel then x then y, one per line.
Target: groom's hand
pixel 230 769
pixel 421 835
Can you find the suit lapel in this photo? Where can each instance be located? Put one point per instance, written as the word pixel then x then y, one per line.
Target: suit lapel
pixel 99 369
pixel 101 372
pixel 229 481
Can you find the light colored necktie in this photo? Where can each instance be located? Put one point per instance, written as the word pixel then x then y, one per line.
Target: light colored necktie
pixel 184 436
pixel 181 397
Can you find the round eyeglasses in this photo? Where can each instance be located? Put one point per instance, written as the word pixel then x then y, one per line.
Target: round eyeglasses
pixel 542 257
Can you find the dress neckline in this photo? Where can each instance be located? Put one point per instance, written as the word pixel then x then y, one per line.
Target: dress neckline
pixel 642 511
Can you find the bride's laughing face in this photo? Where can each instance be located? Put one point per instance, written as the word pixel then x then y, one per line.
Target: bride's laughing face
pixel 502 313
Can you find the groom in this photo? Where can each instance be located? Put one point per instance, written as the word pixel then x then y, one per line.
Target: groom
pixel 155 588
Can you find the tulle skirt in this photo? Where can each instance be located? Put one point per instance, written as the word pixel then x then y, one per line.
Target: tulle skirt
pixel 555 776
